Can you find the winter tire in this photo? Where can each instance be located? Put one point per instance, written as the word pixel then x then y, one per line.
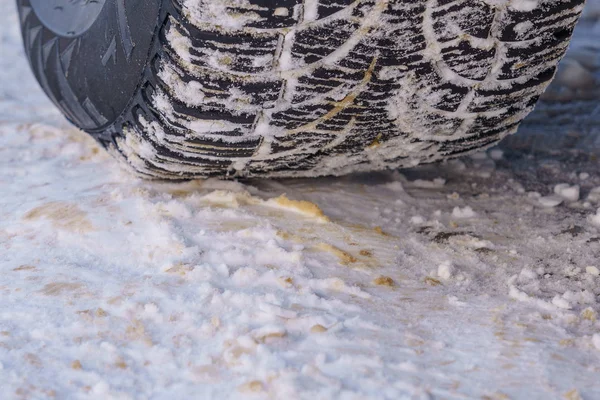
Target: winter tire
pixel 286 88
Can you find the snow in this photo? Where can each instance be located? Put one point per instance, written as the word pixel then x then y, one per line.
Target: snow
pixel 446 270
pixel 445 281
pixel 596 340
pixel 560 302
pixel 592 270
pixel 595 219
pixel 466 212
pixel 567 192
pixel 496 154
pixel 524 5
pixel 550 201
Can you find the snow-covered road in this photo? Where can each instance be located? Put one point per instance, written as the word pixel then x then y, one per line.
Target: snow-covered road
pixel 477 278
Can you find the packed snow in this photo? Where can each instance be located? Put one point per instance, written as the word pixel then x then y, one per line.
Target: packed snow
pixel 475 278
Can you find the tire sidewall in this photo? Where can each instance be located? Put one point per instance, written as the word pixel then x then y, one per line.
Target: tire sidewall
pixel 92 76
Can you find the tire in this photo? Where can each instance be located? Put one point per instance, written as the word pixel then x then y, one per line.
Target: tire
pixel 183 89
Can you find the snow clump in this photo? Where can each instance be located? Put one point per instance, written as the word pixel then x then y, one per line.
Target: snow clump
pixel 446 270
pixel 567 192
pixel 463 213
pixel 595 219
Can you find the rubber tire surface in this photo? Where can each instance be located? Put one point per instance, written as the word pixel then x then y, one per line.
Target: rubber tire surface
pixel 184 89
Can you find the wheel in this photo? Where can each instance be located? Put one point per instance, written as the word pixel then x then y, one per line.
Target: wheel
pixel 183 89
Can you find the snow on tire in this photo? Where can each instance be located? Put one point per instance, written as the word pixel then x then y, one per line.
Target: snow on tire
pixel 288 88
